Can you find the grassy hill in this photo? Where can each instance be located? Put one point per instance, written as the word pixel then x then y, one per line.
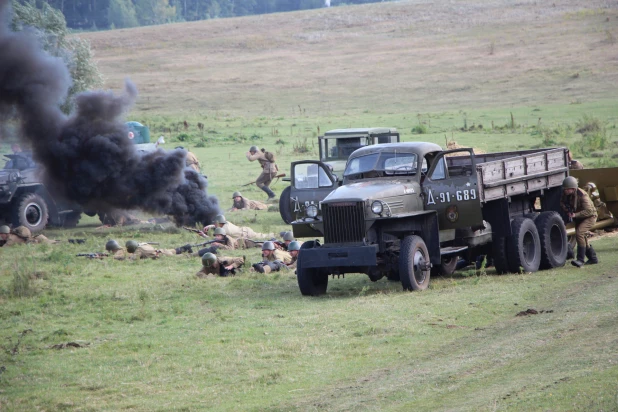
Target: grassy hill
pixel 149 335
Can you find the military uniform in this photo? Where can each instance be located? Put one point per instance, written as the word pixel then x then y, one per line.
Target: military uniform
pixel 269 171
pixel 146 251
pixel 228 243
pixel 218 269
pixel 246 204
pixel 192 162
pixel 245 232
pixel 120 254
pixel 292 264
pixel 276 261
pixel 21 235
pixel 585 214
pixel 279 255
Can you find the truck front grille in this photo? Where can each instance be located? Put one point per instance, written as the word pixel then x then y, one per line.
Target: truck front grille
pixel 344 222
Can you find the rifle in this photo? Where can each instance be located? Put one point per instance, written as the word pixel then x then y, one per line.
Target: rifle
pixel 276 176
pixel 77 241
pixel 208 243
pixel 192 230
pixel 93 255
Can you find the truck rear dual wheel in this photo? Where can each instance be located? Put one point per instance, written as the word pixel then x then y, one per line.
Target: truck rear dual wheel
pixel 311 281
pixel 447 267
pixel 554 244
pixel 414 263
pixel 523 246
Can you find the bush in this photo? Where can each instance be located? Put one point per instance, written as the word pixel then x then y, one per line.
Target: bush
pixel 301 146
pixel 183 137
pixel 420 129
pixel 588 125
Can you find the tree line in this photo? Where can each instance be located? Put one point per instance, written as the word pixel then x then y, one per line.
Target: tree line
pixel 110 14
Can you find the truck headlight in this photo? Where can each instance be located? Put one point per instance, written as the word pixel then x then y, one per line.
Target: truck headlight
pixel 376 207
pixel 312 211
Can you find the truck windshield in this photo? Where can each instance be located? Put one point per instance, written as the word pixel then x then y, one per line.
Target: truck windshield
pixel 342 148
pixel 381 164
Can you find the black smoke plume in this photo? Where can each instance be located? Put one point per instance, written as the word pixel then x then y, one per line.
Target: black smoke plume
pixel 87 156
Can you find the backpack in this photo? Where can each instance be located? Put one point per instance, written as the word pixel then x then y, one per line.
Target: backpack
pixel 270 156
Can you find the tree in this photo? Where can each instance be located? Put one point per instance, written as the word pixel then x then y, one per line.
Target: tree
pixel 121 14
pixel 154 12
pixel 51 29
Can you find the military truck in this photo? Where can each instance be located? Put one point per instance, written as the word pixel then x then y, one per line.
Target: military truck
pixel 407 210
pixel 25 201
pixel 335 148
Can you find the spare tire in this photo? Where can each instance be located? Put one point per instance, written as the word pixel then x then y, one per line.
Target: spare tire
pixel 284 205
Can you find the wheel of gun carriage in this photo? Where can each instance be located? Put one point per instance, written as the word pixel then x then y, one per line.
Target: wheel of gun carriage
pixel 523 246
pixel 554 244
pixel 311 281
pixel 30 211
pixel 284 205
pixel 414 263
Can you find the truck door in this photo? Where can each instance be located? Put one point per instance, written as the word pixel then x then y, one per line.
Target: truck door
pixel 450 188
pixel 312 181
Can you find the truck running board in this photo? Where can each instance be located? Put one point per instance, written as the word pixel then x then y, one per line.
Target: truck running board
pixel 452 250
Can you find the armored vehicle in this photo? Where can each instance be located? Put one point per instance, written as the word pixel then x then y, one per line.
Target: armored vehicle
pixel 406 210
pixel 25 201
pixel 335 148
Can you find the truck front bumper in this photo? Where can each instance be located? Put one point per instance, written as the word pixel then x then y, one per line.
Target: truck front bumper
pixel 356 256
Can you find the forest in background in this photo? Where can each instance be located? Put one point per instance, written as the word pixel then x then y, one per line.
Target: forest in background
pixel 110 14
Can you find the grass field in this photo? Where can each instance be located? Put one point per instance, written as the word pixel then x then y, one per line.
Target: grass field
pixel 149 335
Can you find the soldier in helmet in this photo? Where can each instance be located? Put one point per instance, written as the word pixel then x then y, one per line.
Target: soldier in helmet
pixel 5 232
pixel 602 210
pixel 242 203
pixel 115 250
pixel 576 203
pixel 273 260
pixel 293 249
pixel 234 231
pixel 223 266
pixel 146 251
pixel 222 241
pixel 288 237
pixel 269 169
pixel 21 235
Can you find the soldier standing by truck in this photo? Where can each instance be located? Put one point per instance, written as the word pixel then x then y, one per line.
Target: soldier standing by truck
pixel 577 205
pixel 269 169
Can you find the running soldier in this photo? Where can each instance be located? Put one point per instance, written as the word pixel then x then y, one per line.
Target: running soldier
pixel 269 169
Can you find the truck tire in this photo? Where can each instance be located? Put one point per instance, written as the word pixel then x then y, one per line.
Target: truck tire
pixel 447 268
pixel 31 211
pixel 311 281
pixel 499 254
pixel 554 246
pixel 71 219
pixel 523 246
pixel 414 263
pixel 284 205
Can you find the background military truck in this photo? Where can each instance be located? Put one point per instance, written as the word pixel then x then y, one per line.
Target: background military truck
pixel 335 148
pixel 406 210
pixel 25 201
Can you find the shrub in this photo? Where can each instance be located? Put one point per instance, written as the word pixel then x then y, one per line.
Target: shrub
pixel 420 129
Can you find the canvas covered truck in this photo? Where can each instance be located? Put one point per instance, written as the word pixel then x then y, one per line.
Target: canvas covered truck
pixel 407 210
pixel 335 147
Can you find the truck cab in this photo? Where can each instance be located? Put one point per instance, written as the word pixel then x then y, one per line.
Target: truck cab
pixel 335 146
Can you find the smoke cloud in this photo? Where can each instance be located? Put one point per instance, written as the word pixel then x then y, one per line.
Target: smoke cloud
pixel 87 156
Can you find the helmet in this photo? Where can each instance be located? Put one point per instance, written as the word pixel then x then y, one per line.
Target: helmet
pixel 268 245
pixel 22 231
pixel 208 259
pixel 131 245
pixel 179 147
pixel 220 219
pixel 4 230
pixel 236 194
pixel 253 149
pixel 112 246
pixel 220 231
pixel 288 236
pixel 569 183
pixel 293 246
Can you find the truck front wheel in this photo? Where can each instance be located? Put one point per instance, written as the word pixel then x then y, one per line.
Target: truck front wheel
pixel 414 263
pixel 31 211
pixel 284 205
pixel 311 281
pixel 524 246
